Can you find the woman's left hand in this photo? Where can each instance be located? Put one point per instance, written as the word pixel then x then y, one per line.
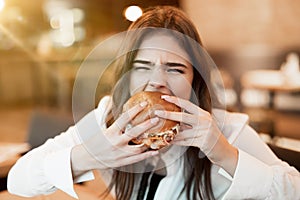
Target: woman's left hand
pixel 199 129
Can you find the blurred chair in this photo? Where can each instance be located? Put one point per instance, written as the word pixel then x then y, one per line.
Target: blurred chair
pixel 287 143
pixel 46 124
pixel 286 149
pixel 290 156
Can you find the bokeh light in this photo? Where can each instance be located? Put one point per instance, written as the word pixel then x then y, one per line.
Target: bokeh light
pixel 132 13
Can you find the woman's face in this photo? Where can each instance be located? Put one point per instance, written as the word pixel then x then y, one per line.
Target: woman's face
pixel 161 65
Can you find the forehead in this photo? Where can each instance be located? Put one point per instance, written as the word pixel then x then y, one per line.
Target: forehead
pixel 165 43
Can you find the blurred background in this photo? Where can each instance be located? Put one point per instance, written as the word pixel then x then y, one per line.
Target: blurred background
pixel 255 44
pixel 44 42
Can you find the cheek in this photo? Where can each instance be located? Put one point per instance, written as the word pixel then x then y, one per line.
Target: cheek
pixel 181 87
pixel 137 83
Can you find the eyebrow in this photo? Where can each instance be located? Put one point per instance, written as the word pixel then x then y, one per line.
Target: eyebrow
pixel 169 64
pixel 175 64
pixel 146 62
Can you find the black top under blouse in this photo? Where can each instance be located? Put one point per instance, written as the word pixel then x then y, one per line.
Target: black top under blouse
pixel 154 182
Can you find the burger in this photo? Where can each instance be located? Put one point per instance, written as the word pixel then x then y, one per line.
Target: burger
pixel 161 134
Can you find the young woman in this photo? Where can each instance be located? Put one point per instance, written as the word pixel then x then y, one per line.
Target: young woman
pixel 216 155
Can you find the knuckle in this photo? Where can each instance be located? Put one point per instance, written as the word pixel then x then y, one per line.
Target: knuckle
pixel 125 116
pixel 129 134
pixel 115 144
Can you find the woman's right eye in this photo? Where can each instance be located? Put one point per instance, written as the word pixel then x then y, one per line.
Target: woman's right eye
pixel 141 68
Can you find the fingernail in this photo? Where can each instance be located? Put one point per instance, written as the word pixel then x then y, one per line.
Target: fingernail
pixel 143 104
pixel 154 120
pixel 139 145
pixel 165 96
pixel 154 153
pixel 159 112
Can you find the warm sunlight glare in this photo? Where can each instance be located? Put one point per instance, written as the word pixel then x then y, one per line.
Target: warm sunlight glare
pixel 2 4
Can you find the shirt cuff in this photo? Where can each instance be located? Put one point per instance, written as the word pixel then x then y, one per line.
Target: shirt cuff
pixel 87 176
pixel 225 174
pixel 252 179
pixel 58 171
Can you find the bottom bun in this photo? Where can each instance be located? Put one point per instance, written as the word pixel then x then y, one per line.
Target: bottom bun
pixel 157 140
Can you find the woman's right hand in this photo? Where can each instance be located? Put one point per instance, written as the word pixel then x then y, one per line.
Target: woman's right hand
pixel 109 148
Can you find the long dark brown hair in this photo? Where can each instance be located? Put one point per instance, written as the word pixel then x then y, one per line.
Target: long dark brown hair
pixel 197 170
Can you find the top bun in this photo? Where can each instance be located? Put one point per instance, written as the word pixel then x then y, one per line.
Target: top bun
pixel 164 132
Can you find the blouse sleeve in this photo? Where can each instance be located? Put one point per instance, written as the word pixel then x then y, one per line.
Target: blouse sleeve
pixel 259 173
pixel 47 168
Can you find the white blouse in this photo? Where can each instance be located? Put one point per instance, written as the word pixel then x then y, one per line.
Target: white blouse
pixel 259 173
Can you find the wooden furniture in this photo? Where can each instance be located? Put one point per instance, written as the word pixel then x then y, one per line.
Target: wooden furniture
pixel 9 154
pixel 82 192
pixel 272 81
pixel 5 165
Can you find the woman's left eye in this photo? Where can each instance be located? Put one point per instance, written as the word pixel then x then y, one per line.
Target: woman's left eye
pixel 175 70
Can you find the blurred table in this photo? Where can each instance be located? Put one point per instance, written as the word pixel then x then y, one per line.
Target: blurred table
pixel 272 81
pixel 9 154
pixel 83 193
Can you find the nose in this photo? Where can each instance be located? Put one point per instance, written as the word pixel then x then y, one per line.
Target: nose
pixel 158 79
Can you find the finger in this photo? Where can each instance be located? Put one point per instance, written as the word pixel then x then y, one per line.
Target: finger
pixel 190 134
pixel 136 149
pixel 127 116
pixel 185 142
pixel 184 126
pixel 183 103
pixel 186 118
pixel 130 150
pixel 140 128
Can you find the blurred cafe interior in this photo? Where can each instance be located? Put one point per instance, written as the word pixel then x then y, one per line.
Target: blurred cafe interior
pixel 43 43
